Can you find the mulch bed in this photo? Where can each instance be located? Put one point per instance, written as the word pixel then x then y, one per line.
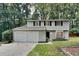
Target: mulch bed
pixel 71 51
pixel 74 34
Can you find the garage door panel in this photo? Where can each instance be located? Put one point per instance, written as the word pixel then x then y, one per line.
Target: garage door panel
pixel 19 36
pixel 42 36
pixel 32 36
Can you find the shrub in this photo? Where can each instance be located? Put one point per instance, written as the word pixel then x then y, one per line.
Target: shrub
pixel 7 35
pixel 74 30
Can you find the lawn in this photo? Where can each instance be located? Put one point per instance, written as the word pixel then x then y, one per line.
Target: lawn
pixel 53 49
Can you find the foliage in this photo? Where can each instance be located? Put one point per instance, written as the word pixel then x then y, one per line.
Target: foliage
pixel 7 35
pixel 74 30
pixel 57 10
pixel 10 12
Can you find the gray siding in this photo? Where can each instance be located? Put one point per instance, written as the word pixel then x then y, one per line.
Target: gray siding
pixel 52 35
pixel 29 24
pixel 42 23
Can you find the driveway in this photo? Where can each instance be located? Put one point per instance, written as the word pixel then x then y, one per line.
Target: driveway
pixel 16 49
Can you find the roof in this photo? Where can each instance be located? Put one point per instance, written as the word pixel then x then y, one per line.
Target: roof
pixel 51 20
pixel 29 28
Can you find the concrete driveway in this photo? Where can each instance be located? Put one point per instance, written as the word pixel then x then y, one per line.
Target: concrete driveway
pixel 16 49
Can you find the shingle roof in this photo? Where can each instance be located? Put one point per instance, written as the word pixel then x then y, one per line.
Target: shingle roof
pixel 51 20
pixel 29 28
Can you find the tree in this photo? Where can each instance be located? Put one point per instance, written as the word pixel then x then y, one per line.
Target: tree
pixel 10 13
pixel 43 10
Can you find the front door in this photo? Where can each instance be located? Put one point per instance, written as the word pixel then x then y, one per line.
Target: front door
pixel 47 36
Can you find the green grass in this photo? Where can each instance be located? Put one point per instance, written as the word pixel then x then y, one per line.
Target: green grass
pixel 53 49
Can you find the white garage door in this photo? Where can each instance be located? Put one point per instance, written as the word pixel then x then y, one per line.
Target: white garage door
pixel 42 36
pixel 26 36
pixel 32 36
pixel 19 36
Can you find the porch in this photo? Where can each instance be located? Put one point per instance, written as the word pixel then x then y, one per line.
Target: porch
pixel 57 34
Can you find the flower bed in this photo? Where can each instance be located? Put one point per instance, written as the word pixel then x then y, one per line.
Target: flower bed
pixel 71 51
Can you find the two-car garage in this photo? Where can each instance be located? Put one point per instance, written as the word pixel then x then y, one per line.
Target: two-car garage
pixel 29 35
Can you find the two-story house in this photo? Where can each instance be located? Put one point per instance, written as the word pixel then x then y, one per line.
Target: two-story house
pixel 42 31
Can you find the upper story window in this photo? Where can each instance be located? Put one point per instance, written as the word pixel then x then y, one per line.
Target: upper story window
pixel 50 23
pixel 58 23
pixel 36 23
pixel 33 23
pixel 39 23
pixel 61 23
pixel 47 23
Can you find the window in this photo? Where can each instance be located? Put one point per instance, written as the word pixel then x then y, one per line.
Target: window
pixel 36 23
pixel 47 23
pixel 50 23
pixel 58 23
pixel 39 23
pixel 61 23
pixel 33 23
